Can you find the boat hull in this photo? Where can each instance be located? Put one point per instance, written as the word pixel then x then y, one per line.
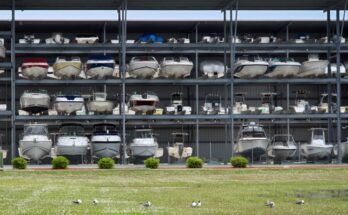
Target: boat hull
pixel 34 72
pixel 71 146
pixel 283 71
pixel 314 68
pixel 143 70
pixel 143 150
pixel 106 149
pixel 35 102
pixel 312 152
pixel 35 149
pixel 176 71
pixel 67 70
pixel 68 106
pixel 282 153
pixel 2 51
pixel 252 147
pixel 250 71
pixel 100 106
pixel 101 72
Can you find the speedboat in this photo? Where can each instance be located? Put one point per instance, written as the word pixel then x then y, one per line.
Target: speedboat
pixel 71 140
pixel 247 67
pixel 283 147
pixel 86 39
pixel 35 101
pixel 252 141
pixel 99 104
pixel 301 104
pixel 317 148
pixel 143 103
pixel 29 39
pixel 213 69
pixel 57 38
pixel 100 66
pixel 143 67
pixel 150 38
pixel 178 151
pixel 68 104
pixel 267 104
pixel 2 48
pixel 106 141
pixel 239 105
pixel 34 68
pixel 35 143
pixel 144 145
pixel 314 67
pixel 176 67
pixel 323 107
pixel 176 107
pixel 67 69
pixel 283 68
pixel 213 105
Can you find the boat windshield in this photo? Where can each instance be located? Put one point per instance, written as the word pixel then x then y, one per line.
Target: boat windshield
pixel 143 58
pixel 105 129
pixel 143 134
pixel 253 131
pixel 318 134
pixel 35 130
pixel 72 130
pixel 176 96
pixel 283 140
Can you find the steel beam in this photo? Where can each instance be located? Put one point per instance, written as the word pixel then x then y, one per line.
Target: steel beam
pixel 13 77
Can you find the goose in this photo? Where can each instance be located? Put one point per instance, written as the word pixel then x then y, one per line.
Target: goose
pixel 77 201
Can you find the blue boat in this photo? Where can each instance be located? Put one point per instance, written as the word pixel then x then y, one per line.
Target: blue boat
pixel 100 66
pixel 151 38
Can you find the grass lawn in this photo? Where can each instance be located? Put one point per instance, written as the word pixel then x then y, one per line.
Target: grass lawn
pixel 121 191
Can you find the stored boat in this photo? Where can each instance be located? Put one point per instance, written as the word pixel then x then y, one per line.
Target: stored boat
pixel 267 103
pixel 99 104
pixel 35 101
pixel 252 140
pixel 100 66
pixel 317 148
pixel 2 48
pixel 86 39
pixel 144 145
pixel 239 106
pixel 150 38
pixel 334 69
pixel 143 67
pixel 144 103
pixel 283 68
pixel 176 107
pixel 176 67
pixel 35 143
pixel 213 69
pixel 68 104
pixel 313 67
pixel 301 104
pixel 283 147
pixel 67 69
pixel 34 68
pixel 29 39
pixel 57 38
pixel 106 141
pixel 250 67
pixel 212 39
pixel 178 151
pixel 213 105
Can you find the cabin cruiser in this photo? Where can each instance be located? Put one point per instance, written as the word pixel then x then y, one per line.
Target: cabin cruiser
pixel 106 141
pixel 313 67
pixel 283 68
pixel 99 104
pixel 247 67
pixel 317 148
pixel 68 104
pixel 283 147
pixel 176 67
pixel 100 66
pixel 143 103
pixel 29 39
pixel 34 68
pixel 301 104
pixel 178 151
pixel 143 67
pixel 35 101
pixel 67 69
pixel 213 69
pixel 2 48
pixel 177 107
pixel 213 105
pixel 57 38
pixel 239 106
pixel 86 39
pixel 71 140
pixel 252 140
pixel 35 143
pixel 144 145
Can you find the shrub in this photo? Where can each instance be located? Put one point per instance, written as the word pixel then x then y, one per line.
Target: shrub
pixel 194 162
pixel 19 163
pixel 152 163
pixel 239 162
pixel 60 162
pixel 106 163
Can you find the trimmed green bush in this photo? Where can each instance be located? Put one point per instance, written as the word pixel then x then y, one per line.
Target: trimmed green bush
pixel 194 162
pixel 239 162
pixel 19 163
pixel 60 162
pixel 152 163
pixel 106 163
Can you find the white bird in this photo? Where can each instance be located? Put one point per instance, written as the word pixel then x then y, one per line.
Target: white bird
pixel 270 204
pixel 199 204
pixel 147 204
pixel 77 201
pixel 194 204
pixel 300 202
pixel 95 201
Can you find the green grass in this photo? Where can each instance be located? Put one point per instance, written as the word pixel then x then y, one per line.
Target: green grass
pixel 122 191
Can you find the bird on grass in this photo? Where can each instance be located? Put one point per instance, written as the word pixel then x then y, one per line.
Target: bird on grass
pixel 270 204
pixel 95 201
pixel 300 202
pixel 147 204
pixel 77 201
pixel 199 204
pixel 195 204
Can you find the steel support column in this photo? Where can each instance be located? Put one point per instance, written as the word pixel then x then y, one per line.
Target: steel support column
pixel 329 86
pixel 338 85
pixel 123 76
pixel 13 81
pixel 197 91
pixel 225 86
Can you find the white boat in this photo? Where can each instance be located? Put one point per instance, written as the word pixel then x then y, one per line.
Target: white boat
pixel 212 39
pixel 301 104
pixel 35 101
pixel 283 147
pixel 178 151
pixel 34 68
pixel 334 69
pixel 99 104
pixel 176 67
pixel 267 103
pixel 247 67
pixel 71 140
pixel 333 40
pixel 29 39
pixel 67 69
pixel 213 68
pixel 144 145
pixel 317 148
pixel 68 104
pixel 252 141
pixel 100 66
pixel 143 67
pixel 239 105
pixel 2 48
pixel 57 38
pixel 213 105
pixel 86 39
pixel 313 67
pixel 143 103
pixel 344 151
pixel 182 40
pixel 3 151
pixel 262 40
pixel 106 141
pixel 283 68
pixel 35 143
pixel 176 107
